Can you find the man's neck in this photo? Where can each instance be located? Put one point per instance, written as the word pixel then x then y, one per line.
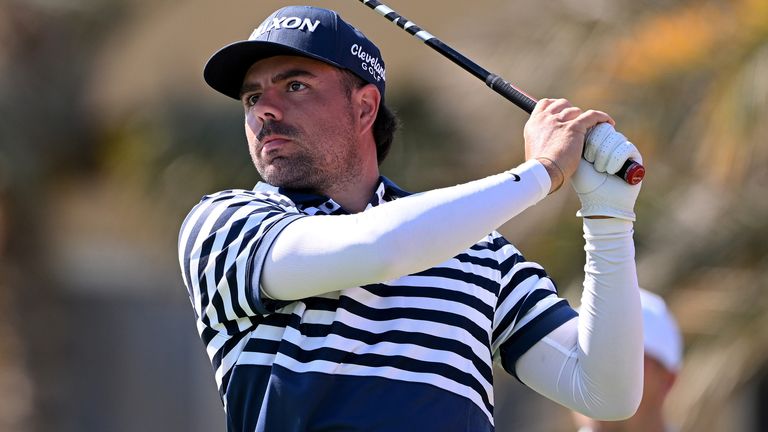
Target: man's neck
pixel 354 198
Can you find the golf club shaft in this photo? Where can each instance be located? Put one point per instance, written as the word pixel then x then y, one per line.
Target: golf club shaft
pixel 632 172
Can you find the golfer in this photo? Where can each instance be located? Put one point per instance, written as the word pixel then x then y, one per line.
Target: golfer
pixel 329 299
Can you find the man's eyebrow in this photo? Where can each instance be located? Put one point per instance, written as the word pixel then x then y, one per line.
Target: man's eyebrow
pixel 282 76
pixel 292 73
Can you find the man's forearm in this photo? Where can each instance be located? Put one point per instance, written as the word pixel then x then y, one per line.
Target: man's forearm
pixel 610 322
pixel 598 358
pixel 319 254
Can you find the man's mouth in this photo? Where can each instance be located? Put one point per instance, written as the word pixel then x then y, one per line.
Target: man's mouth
pixel 272 143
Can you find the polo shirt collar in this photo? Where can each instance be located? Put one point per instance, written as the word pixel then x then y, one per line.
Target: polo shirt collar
pixel 312 203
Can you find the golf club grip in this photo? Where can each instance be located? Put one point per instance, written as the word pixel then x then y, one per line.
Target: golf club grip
pixel 631 172
pixel 510 92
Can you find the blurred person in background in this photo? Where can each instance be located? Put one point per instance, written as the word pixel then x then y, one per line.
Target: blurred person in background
pixel 663 358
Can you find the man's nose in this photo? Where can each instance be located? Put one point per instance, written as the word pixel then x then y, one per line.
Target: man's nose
pixel 268 107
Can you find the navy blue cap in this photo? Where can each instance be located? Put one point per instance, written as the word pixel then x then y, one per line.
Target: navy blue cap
pixel 306 31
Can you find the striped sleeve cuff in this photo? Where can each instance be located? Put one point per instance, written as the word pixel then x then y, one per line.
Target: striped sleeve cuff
pixel 261 303
pixel 520 342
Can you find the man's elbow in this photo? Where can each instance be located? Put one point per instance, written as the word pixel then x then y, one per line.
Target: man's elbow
pixel 620 407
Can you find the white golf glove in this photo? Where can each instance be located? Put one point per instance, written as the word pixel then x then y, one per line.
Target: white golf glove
pixel 601 193
pixel 608 149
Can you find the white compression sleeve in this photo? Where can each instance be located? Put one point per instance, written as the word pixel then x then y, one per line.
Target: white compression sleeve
pixel 318 254
pixel 593 364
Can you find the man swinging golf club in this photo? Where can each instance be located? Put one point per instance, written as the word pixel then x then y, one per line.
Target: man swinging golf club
pixel 330 299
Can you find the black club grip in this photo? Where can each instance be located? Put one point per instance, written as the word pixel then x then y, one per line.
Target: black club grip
pixel 631 172
pixel 510 92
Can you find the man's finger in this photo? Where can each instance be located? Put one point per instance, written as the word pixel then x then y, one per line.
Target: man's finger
pixel 607 150
pixel 541 105
pixel 569 114
pixel 595 138
pixel 558 105
pixel 624 151
pixel 593 117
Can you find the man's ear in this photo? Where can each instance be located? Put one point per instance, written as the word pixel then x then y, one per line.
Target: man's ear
pixel 368 99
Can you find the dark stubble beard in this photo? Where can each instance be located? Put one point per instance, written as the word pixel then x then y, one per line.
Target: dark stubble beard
pixel 321 163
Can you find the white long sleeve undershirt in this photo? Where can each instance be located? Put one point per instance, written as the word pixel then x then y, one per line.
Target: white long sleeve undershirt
pixel 319 254
pixel 592 364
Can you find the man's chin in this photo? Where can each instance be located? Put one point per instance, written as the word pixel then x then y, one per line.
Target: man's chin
pixel 289 173
pixel 286 180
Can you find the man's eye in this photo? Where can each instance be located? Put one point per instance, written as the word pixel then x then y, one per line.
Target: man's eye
pixel 296 86
pixel 252 99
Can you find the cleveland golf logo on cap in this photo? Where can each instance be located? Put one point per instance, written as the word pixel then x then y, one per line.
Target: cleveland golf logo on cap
pixel 285 23
pixel 370 64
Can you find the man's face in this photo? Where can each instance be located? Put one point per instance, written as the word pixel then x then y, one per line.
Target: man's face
pixel 657 382
pixel 299 124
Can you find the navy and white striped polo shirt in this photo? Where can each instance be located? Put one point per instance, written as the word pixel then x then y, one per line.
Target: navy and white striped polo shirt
pixel 414 353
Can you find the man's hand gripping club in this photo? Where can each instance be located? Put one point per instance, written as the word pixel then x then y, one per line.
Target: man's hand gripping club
pixel 600 192
pixel 555 135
